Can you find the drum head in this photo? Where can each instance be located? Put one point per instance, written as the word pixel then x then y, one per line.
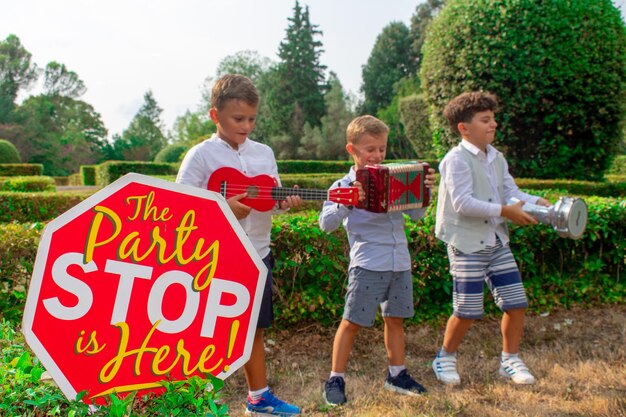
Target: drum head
pixel 576 220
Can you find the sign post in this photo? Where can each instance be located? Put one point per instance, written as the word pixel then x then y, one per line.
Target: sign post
pixel 145 280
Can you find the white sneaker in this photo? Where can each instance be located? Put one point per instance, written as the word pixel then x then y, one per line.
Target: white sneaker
pixel 445 370
pixel 515 370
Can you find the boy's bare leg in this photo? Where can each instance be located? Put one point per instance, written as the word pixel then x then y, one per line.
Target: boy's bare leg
pixel 342 345
pixel 254 369
pixel 455 332
pixel 394 340
pixel 512 329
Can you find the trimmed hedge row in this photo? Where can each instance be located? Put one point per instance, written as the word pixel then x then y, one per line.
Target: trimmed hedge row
pixel 109 171
pixel 27 184
pixel 51 205
pixel 88 174
pixel 306 167
pixel 37 207
pixel 576 187
pixel 13 170
pixel 618 167
pixel 311 266
pixel 310 270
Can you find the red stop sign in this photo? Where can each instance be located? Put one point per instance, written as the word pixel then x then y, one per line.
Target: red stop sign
pixel 145 280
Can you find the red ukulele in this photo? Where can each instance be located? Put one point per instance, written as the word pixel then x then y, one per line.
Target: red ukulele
pixel 263 191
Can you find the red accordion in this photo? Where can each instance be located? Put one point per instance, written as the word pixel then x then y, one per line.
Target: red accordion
pixel 394 187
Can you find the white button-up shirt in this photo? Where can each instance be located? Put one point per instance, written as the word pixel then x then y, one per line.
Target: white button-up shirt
pixel 377 240
pixel 252 159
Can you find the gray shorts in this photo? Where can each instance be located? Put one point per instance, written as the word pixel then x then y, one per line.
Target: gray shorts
pixel 393 291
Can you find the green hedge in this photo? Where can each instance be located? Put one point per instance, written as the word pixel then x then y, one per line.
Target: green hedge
pixel 37 207
pixel 13 170
pixel 88 174
pixel 110 171
pixel 618 167
pixel 311 265
pixel 17 255
pixel 576 187
pixel 27 184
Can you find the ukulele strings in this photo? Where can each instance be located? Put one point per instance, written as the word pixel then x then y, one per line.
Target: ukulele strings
pixel 303 192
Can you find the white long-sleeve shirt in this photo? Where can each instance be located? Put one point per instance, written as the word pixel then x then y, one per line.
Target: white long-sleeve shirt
pixel 251 158
pixel 456 173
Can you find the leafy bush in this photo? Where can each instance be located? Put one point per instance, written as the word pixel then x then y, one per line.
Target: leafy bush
pixel 109 171
pixel 619 166
pixel 574 187
pixel 17 255
pixel 27 184
pixel 311 266
pixel 171 153
pixel 61 180
pixel 23 393
pixel 12 170
pixel 9 153
pixel 310 270
pixel 37 207
pixel 88 174
pixel 414 116
pixel 558 67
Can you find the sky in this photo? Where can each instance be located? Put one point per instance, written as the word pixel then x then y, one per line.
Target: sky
pixel 123 48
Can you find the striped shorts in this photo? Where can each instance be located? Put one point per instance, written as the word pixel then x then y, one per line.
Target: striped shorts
pixel 494 265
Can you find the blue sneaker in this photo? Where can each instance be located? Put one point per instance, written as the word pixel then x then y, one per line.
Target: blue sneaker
pixel 270 406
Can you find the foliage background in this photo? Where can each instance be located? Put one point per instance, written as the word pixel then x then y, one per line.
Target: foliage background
pixel 559 69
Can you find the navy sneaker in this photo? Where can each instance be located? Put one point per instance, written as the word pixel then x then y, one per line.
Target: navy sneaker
pixel 335 391
pixel 404 384
pixel 270 406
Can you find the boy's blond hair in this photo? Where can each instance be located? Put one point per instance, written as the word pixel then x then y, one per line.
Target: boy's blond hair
pixel 462 108
pixel 365 125
pixel 233 87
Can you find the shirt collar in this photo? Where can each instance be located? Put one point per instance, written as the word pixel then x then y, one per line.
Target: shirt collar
pixel 491 151
pixel 242 146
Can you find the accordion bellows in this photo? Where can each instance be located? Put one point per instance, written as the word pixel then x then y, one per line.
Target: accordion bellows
pixel 394 187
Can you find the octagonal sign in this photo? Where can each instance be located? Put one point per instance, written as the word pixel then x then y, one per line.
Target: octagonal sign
pixel 145 280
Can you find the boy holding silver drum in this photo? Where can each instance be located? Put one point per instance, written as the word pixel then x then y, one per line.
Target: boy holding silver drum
pixel 472 214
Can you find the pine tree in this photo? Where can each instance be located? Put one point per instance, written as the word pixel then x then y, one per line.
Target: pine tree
pixel 298 96
pixel 144 137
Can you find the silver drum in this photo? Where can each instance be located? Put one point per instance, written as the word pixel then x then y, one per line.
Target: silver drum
pixel 568 216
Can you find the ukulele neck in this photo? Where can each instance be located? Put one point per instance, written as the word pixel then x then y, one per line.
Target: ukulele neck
pixel 281 193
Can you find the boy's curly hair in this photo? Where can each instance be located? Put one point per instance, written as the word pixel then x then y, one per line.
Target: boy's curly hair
pixel 463 107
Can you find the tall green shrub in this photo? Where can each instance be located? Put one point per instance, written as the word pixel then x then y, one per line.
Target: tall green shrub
pixel 171 153
pixel 559 68
pixel 414 117
pixel 8 153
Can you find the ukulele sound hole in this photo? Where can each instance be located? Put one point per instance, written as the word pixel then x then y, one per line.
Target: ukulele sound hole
pixel 253 191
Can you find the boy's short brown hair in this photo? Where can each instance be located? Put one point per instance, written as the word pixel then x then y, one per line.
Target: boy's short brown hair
pixel 365 125
pixel 233 87
pixel 463 107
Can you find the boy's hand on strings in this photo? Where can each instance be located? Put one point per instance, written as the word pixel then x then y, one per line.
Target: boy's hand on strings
pixel 517 215
pixel 290 201
pixel 429 180
pixel 240 210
